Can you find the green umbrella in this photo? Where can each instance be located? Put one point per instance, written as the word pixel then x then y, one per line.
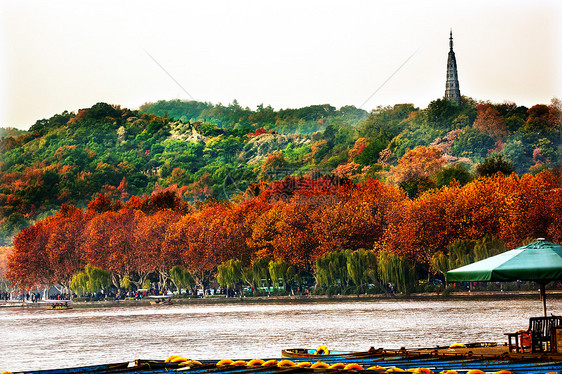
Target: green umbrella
pixel 540 261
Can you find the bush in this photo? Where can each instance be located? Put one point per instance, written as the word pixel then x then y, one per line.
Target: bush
pixel 319 291
pixel 448 290
pixel 349 290
pixel 331 291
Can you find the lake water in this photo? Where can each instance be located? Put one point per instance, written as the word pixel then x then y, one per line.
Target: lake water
pixel 37 338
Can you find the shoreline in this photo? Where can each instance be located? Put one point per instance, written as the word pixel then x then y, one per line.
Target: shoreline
pixel 475 295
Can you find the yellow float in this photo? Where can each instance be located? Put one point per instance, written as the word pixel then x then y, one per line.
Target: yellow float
pixel 503 372
pixel 337 366
pixel 395 370
pixel 224 362
pixel 166 361
pixel 239 363
pixel 304 364
pixel 322 350
pixel 270 363
pixel 319 365
pixel 377 368
pixel 353 367
pixel 255 362
pixel 475 372
pixel 178 359
pixel 286 363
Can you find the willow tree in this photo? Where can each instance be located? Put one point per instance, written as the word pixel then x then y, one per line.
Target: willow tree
pixel 440 263
pixel 362 267
pixel 331 269
pixel 229 273
pixel 259 273
pixel 278 272
pixel 461 253
pixel 396 270
pixel 181 278
pixel 487 247
pixel 91 280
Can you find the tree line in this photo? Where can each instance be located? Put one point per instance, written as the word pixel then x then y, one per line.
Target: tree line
pixel 357 234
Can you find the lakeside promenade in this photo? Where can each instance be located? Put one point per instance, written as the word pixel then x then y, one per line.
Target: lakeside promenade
pixel 553 296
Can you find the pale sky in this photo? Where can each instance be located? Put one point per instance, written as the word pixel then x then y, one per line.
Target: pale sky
pixel 66 55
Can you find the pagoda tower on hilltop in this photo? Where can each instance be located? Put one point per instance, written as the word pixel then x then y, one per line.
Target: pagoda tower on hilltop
pixel 452 90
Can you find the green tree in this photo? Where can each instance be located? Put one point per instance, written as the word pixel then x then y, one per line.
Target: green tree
pixel 91 280
pixel 494 164
pixel 457 172
pixel 181 278
pixel 396 270
pixel 259 271
pixel 229 273
pixel 362 267
pixel 278 272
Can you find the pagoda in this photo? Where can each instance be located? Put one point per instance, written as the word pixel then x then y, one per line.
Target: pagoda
pixel 452 90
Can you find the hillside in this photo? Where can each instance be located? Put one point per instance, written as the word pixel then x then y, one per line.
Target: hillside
pixel 200 150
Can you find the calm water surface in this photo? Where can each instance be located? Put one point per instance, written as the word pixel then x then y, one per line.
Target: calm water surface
pixel 36 338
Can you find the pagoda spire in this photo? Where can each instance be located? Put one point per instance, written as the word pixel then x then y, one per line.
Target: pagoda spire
pixel 452 90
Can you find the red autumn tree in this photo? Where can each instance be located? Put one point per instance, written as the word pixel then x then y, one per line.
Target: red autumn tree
pixel 490 121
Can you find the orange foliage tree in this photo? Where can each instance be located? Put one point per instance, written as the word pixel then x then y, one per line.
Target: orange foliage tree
pixel 490 121
pixel 420 162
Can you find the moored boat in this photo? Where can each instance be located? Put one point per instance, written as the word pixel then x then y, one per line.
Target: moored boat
pixel 58 304
pixel 322 351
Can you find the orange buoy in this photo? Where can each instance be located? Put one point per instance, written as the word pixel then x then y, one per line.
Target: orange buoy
pixel 422 371
pixel 337 365
pixel 322 350
pixel 319 365
pixel 178 359
pixel 304 364
pixel 286 363
pixel 475 371
pixel 395 370
pixel 255 362
pixel 224 362
pixel 270 363
pixel 239 363
pixel 353 367
pixel 377 368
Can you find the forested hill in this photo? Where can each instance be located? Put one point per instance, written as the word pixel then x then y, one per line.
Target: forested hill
pixel 200 150
pixel 285 121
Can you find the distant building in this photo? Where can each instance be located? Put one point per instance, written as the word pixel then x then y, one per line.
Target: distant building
pixel 452 90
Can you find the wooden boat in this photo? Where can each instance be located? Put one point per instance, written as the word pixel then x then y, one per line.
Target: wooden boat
pixel 380 365
pixel 97 369
pixel 58 304
pixel 324 352
pixel 161 300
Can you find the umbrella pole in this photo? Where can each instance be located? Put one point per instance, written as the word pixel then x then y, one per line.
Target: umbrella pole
pixel 542 285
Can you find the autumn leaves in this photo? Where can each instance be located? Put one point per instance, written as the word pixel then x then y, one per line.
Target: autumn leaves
pixel 148 237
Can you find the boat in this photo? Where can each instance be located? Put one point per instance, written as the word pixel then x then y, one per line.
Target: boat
pixel 58 304
pixel 97 369
pixel 383 361
pixel 161 299
pixel 322 351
